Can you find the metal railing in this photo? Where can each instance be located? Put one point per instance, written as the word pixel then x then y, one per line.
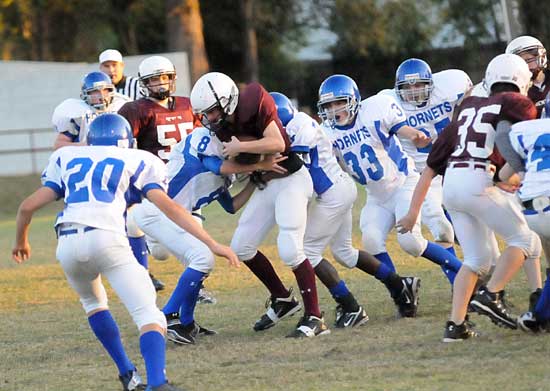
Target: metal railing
pixel 32 146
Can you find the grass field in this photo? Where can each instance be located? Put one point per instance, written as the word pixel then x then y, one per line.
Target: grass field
pixel 46 344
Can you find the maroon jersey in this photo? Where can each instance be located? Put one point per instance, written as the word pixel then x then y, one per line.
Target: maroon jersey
pixel 156 128
pixel 471 136
pixel 255 110
pixel 538 95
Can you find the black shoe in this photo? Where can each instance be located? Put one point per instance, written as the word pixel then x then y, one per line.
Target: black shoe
pixel 458 333
pixel 529 323
pixel 203 331
pixel 158 284
pixel 178 333
pixel 350 319
pixel 533 299
pixel 131 381
pixel 491 305
pixel 277 308
pixel 206 297
pixel 407 299
pixel 308 327
pixel 164 387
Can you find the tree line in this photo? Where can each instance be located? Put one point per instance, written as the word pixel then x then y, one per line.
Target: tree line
pixel 258 39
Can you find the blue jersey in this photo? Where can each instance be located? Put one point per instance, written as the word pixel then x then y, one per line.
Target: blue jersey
pixel 531 140
pixel 306 136
pixel 193 171
pixel 98 182
pixel 449 89
pixel 369 148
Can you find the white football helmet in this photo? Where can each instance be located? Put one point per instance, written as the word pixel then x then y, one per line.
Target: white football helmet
pixel 214 90
pixel 508 68
pixel 529 44
pixel 156 66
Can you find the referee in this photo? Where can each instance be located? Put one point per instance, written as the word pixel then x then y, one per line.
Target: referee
pixel 110 62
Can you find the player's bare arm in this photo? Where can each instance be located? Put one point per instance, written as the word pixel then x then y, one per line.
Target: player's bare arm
pixel 407 223
pixel 185 220
pixel 272 142
pixel 41 197
pixel 62 140
pixel 418 138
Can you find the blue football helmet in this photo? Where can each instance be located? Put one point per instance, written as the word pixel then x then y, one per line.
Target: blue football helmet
pixel 285 108
pixel 97 81
pixel 338 88
pixel 409 73
pixel 110 129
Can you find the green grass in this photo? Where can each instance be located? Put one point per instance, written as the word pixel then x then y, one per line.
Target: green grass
pixel 46 343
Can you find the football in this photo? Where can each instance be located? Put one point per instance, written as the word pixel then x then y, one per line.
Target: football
pixel 245 157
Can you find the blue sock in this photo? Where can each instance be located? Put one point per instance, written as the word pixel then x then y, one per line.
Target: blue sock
pixel 106 330
pixel 340 290
pixel 451 250
pixel 153 350
pixel 542 309
pixel 139 248
pixel 184 297
pixel 449 263
pixel 385 259
pixel 383 272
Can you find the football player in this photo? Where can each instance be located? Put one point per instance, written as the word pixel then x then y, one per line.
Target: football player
pixel 329 221
pixel 283 202
pixel 159 121
pixel 533 52
pixel 531 142
pixel 72 117
pixel 466 154
pixel 428 102
pixel 93 182
pixel 197 176
pixel 364 133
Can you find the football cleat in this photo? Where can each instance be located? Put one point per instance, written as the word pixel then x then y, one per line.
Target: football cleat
pixel 350 319
pixel 206 297
pixel 164 387
pixel 533 299
pixel 158 284
pixel 529 323
pixel 458 333
pixel 182 335
pixel 203 331
pixel 278 308
pixel 490 304
pixel 407 299
pixel 131 381
pixel 308 327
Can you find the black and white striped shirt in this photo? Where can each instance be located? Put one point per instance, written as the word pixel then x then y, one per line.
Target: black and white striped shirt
pixel 130 87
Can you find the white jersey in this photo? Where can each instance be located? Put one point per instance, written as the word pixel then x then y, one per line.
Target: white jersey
pixel 98 182
pixel 190 183
pixel 449 88
pixel 531 140
pixel 72 117
pixel 306 136
pixel 480 90
pixel 372 154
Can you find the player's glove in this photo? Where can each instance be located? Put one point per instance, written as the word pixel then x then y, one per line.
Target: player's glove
pixel 256 178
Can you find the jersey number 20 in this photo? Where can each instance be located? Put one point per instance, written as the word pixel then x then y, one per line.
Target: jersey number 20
pixel 79 193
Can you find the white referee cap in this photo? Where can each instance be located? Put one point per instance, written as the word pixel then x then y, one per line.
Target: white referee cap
pixel 110 55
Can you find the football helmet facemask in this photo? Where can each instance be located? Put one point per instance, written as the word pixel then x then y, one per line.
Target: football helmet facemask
pixel 155 67
pixel 97 90
pixel 413 82
pixel 341 89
